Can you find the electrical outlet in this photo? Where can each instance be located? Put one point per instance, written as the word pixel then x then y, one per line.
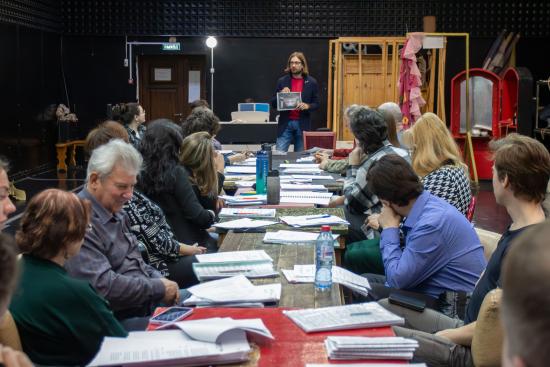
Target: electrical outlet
pixel 125 63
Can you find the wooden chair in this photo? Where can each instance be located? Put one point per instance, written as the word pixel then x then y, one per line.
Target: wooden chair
pixel 61 149
pixel 9 335
pixel 321 139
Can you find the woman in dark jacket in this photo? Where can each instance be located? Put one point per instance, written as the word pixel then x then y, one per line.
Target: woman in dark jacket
pixel 170 184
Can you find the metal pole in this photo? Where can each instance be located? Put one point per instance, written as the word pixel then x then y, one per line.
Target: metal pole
pixel 212 78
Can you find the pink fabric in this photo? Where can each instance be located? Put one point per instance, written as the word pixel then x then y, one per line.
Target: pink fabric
pixel 410 81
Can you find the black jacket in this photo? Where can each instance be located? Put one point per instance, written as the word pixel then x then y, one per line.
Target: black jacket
pixel 310 95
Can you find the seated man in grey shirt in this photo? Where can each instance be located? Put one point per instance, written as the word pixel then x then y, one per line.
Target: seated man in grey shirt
pixel 109 258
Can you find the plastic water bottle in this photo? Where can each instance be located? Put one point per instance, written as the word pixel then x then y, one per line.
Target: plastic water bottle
pixel 262 168
pixel 324 257
pixel 267 149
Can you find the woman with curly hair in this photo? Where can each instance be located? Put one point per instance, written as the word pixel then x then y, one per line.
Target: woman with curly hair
pixel 173 186
pixel 61 320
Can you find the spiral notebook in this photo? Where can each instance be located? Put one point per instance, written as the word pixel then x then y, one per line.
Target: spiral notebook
pixel 307 197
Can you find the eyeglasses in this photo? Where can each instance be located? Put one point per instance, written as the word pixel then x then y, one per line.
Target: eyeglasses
pixel 295 62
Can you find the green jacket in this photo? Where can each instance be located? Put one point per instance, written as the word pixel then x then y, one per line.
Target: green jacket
pixel 61 320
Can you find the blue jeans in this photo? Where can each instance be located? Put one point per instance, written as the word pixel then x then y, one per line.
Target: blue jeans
pixel 292 132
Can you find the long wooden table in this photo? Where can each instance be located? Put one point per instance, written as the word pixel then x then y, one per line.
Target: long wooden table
pixel 341 229
pixel 285 257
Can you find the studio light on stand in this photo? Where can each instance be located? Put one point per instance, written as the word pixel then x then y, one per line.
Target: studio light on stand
pixel 211 42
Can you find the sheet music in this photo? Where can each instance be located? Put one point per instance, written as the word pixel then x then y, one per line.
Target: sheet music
pixel 292 237
pixel 302 187
pixel 313 220
pixel 302 170
pixel 320 198
pixel 358 347
pixel 236 289
pixel 306 274
pixel 343 317
pixel 248 212
pixel 244 223
pixel 299 165
pixel 208 271
pixel 240 169
pixel 168 347
pixel 213 329
pixel 310 177
pixel 234 256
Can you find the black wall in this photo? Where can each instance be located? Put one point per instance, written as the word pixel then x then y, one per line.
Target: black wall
pixel 255 39
pixel 244 67
pixel 30 80
pixel 30 77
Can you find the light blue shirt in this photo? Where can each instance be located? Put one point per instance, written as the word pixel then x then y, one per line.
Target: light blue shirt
pixel 442 251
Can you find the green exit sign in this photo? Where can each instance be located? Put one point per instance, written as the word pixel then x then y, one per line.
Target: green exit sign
pixel 175 46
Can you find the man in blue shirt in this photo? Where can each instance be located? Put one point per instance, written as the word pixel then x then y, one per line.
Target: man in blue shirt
pixel 521 172
pixel 441 252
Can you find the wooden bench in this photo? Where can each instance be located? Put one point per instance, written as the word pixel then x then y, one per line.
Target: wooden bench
pixel 61 149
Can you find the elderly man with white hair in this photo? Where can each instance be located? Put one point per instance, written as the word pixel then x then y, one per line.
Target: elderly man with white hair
pixel 110 259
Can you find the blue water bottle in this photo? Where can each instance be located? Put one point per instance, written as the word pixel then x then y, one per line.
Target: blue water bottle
pixel 262 168
pixel 324 258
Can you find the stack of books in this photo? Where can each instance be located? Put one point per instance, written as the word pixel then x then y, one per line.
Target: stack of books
pixel 252 264
pixel 362 347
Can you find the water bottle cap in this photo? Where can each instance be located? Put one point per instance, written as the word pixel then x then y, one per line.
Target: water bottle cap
pixel 325 228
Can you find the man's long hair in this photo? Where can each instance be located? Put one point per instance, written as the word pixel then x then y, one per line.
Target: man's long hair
pixel 299 55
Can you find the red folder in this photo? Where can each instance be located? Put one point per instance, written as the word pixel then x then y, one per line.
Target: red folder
pixel 292 346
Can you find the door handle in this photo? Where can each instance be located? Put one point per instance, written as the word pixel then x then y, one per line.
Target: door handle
pixel 178 114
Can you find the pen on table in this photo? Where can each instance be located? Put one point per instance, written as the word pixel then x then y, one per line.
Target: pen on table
pixel 360 313
pixel 318 216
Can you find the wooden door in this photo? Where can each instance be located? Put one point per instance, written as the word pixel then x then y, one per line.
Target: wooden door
pixel 165 84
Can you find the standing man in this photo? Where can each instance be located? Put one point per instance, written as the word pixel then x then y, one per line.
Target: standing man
pixel 292 123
